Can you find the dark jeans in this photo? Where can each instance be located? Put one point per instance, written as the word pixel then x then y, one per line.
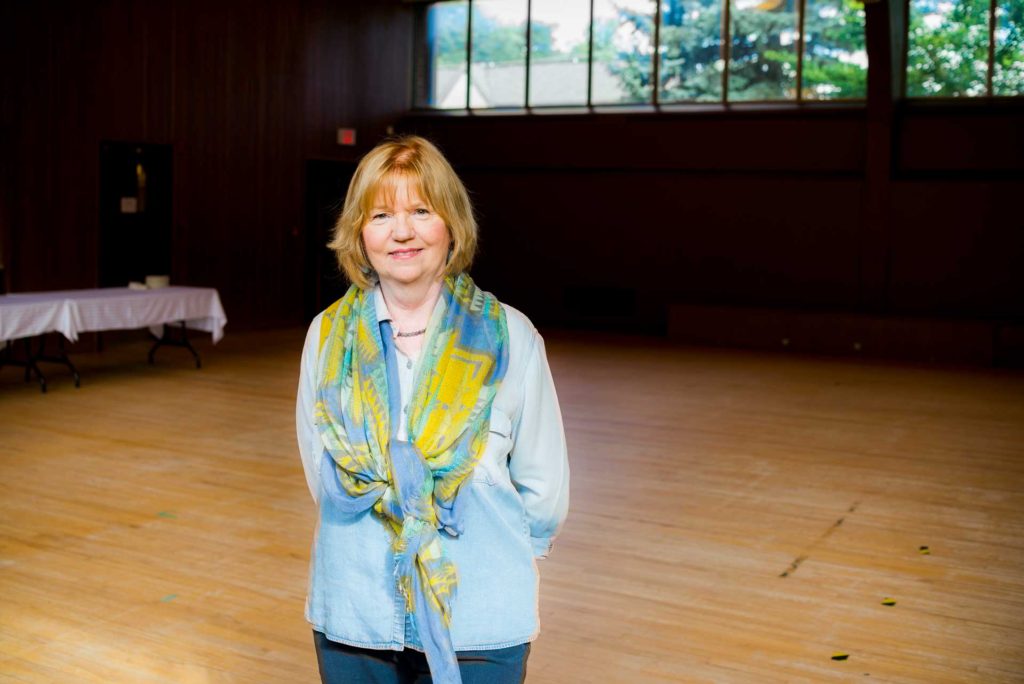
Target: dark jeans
pixel 343 664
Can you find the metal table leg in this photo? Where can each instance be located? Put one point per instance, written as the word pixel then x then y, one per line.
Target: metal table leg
pixel 61 357
pixel 29 364
pixel 166 340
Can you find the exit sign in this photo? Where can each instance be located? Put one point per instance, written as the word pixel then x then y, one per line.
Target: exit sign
pixel 346 136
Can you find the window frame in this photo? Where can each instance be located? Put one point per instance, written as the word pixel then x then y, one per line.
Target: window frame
pixel 655 104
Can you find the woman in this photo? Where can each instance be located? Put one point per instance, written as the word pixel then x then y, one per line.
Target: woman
pixel 431 439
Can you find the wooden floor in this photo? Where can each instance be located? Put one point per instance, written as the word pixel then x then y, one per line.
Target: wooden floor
pixel 736 517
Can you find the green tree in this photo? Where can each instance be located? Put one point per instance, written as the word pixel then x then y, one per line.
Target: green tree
pixel 604 33
pixel 1009 73
pixel 448 33
pixel 542 41
pixel 762 67
pixel 947 54
pixel 834 31
pixel 691 40
pixel 632 68
pixel 690 55
pixel 492 41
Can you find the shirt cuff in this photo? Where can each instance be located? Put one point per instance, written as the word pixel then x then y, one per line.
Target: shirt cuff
pixel 541 546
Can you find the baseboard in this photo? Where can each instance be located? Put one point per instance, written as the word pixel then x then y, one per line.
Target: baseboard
pixel 932 340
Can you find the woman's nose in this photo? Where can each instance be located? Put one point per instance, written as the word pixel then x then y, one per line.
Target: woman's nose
pixel 403 226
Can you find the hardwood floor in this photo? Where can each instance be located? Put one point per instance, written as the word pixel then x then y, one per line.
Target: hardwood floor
pixel 736 517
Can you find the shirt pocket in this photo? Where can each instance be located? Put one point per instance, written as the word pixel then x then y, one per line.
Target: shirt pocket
pixel 499 445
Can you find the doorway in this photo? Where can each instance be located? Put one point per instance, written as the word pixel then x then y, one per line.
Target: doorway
pixel 326 184
pixel 135 212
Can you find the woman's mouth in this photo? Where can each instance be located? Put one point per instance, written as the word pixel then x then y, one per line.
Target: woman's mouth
pixel 404 253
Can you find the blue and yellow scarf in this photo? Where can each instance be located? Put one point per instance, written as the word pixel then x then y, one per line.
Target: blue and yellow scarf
pixel 413 486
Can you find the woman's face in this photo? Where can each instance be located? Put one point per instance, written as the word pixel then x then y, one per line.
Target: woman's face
pixel 405 241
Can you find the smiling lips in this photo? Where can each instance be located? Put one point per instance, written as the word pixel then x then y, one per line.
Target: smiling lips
pixel 404 253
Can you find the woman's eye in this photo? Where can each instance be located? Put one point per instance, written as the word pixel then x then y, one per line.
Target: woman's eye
pixel 422 212
pixel 380 217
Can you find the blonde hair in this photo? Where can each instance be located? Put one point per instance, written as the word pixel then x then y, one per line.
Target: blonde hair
pixel 420 163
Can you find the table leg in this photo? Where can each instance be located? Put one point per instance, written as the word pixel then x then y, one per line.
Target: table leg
pixel 166 340
pixel 64 356
pixel 29 364
pixel 61 358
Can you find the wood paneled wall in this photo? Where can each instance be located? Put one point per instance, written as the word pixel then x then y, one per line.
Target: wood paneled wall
pixel 766 209
pixel 243 91
pixel 884 208
pixel 893 209
pixel 662 208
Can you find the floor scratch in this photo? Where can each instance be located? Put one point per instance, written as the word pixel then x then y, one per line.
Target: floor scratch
pixel 807 552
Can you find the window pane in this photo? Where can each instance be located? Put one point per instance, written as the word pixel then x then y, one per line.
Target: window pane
pixel 446 55
pixel 558 52
pixel 835 57
pixel 1008 78
pixel 498 70
pixel 623 47
pixel 690 66
pixel 947 48
pixel 765 39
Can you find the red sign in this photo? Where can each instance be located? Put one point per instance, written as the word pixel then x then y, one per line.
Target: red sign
pixel 346 136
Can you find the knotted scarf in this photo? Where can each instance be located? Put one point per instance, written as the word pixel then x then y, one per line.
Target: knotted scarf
pixel 412 485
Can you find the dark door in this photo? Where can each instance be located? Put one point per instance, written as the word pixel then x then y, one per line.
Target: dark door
pixel 135 212
pixel 326 185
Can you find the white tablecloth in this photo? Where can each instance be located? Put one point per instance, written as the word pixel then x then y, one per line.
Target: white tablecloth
pixel 71 312
pixel 33 314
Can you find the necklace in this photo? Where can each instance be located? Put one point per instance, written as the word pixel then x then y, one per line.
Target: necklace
pixel 411 334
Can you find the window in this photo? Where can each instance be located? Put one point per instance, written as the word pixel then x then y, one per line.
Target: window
pixel 690 57
pixel 547 53
pixel 498 48
pixel 965 48
pixel 835 61
pixel 622 69
pixel 559 52
pixel 447 38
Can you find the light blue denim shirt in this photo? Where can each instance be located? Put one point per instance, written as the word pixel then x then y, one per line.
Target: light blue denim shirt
pixel 515 503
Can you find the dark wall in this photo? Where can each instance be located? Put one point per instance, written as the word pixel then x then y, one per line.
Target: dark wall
pixel 244 92
pixel 749 208
pixel 957 245
pixel 757 207
pixel 885 209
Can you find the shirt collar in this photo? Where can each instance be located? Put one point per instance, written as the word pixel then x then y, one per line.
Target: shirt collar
pixel 380 305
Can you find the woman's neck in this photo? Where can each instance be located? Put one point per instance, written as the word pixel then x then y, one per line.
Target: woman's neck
pixel 411 305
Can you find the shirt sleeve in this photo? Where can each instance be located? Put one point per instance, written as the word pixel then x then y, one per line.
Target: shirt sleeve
pixel 539 464
pixel 310 446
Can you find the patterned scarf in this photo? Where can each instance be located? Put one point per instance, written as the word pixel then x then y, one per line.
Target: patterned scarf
pixel 413 486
